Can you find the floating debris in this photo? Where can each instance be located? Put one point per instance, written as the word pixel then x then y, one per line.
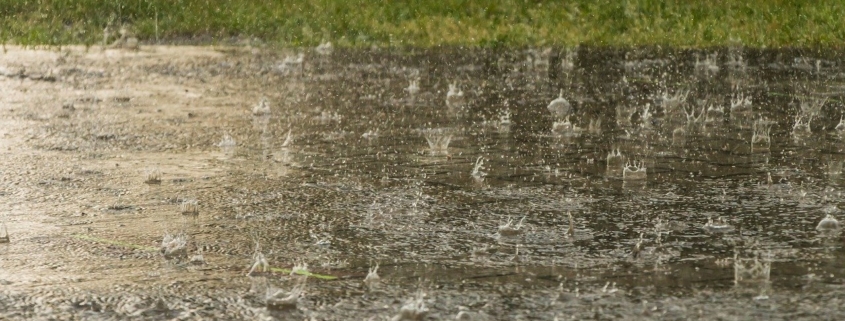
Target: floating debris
pixel 827 224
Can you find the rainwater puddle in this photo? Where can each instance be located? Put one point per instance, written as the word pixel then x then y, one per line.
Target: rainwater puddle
pixel 659 184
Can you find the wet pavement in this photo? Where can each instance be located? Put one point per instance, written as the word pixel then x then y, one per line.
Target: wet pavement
pixel 675 184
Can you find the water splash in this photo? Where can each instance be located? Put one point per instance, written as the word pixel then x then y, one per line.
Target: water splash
pixel 278 299
pixel 560 108
pixel 413 88
pixel 413 310
pixel 189 207
pixel 615 163
pixel 751 270
pixel 715 113
pixel 324 49
pixel 152 176
pixel 4 238
pixel 372 280
pixel 262 108
pixel 760 139
pixel 455 100
pixel 477 170
pixel 634 171
pixel 840 127
pixel 438 140
pixel 509 229
pixel 227 144
pixel 828 224
pixel 566 128
pixel 720 225
pixel 174 246
pixel 259 263
pixel 624 114
pixel 710 64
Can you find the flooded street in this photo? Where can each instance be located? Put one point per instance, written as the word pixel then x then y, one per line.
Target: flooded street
pixel 238 183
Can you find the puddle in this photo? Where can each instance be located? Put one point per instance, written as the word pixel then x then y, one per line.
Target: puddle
pixel 695 183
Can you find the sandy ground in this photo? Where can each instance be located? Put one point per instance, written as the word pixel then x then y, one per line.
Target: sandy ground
pixel 81 127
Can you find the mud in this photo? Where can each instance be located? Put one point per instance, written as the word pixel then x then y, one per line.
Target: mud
pixel 107 151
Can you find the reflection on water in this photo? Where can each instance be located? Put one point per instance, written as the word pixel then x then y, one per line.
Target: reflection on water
pixel 706 128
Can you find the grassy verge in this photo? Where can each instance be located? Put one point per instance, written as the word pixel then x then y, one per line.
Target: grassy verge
pixel 423 23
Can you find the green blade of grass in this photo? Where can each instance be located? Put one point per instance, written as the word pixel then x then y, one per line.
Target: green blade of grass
pixel 481 23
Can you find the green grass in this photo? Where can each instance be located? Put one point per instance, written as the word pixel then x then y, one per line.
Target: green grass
pixel 423 23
